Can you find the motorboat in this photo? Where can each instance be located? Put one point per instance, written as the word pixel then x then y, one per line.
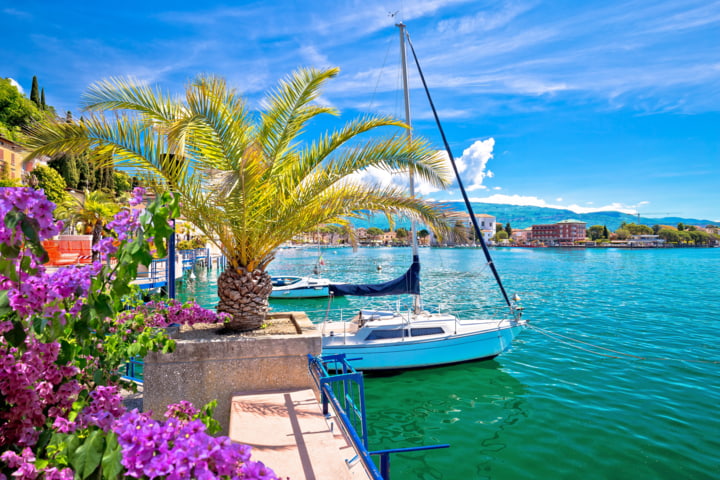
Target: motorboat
pixel 299 287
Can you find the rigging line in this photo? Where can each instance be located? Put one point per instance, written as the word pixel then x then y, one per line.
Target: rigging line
pixel 575 346
pixel 555 336
pixel 380 74
pixel 586 343
pixel 478 233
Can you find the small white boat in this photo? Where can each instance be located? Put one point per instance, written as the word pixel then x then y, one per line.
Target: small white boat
pixel 299 287
pixel 396 340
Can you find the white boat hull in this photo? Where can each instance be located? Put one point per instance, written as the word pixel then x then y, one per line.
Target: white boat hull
pixel 473 340
pixel 300 287
pixel 306 292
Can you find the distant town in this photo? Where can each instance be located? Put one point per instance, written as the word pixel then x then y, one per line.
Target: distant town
pixel 67 174
pixel 566 233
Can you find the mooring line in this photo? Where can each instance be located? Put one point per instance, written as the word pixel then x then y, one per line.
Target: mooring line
pixel 557 337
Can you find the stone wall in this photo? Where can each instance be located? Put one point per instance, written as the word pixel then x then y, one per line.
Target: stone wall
pixel 216 367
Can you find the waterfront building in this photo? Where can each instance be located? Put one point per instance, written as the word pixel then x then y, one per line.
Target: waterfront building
pixel 521 236
pixel 645 241
pixel 566 231
pixel 485 222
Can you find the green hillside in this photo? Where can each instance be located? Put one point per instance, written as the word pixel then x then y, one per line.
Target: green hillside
pixel 526 216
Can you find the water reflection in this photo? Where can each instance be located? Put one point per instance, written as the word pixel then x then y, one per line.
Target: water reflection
pixel 472 406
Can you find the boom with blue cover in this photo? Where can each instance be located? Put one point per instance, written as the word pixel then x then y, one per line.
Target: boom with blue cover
pixel 409 283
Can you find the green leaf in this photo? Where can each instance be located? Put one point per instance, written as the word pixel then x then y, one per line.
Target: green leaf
pixel 40 252
pixel 88 455
pixel 111 460
pixel 67 351
pixel 9 251
pixel 5 307
pixel 39 324
pixel 43 440
pixel 16 336
pixel 98 377
pixel 12 218
pixel 30 227
pixel 7 268
pixel 102 306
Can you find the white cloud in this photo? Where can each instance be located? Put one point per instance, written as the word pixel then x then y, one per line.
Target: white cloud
pixel 559 199
pixel 313 57
pixel 377 176
pixel 539 202
pixel 483 21
pixel 16 13
pixel 474 161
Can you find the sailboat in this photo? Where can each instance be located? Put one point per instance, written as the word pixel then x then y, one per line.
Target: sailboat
pixel 415 338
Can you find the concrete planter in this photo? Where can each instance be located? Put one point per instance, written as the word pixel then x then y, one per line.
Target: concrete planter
pixel 214 367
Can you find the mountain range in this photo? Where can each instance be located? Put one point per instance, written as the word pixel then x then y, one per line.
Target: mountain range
pixel 521 216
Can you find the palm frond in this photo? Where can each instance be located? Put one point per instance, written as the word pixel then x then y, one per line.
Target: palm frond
pixel 251 182
pixel 117 93
pixel 289 109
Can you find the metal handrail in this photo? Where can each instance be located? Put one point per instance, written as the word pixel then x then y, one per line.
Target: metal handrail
pixel 320 373
pixel 130 370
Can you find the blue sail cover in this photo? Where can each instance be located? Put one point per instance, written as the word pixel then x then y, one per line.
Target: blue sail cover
pixel 408 283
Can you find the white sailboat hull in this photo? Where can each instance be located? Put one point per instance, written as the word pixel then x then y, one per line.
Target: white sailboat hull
pixel 460 341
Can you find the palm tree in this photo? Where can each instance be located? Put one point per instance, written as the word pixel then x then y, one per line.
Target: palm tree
pixel 251 181
pixel 92 209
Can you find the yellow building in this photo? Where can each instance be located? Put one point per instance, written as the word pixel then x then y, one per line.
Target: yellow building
pixel 11 160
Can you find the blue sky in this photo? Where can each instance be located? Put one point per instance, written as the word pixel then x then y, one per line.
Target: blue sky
pixel 587 105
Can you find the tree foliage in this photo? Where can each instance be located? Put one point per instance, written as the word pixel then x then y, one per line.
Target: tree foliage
pixel 501 235
pixel 122 182
pixel 66 165
pixel 669 235
pixel 250 181
pixel 622 233
pixel 16 111
pixel 700 237
pixel 35 92
pixel 596 232
pixel 636 229
pixel 49 180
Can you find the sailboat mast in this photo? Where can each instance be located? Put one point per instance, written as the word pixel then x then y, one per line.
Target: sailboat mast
pixel 408 120
pixel 478 232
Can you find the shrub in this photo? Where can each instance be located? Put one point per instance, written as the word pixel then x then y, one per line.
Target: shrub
pixel 63 337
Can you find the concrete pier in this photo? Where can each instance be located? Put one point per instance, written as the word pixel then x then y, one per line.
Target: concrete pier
pixel 288 432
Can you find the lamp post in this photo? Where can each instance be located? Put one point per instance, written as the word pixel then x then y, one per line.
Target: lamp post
pixel 171 262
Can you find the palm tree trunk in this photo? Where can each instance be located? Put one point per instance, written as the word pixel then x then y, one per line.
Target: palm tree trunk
pixel 244 295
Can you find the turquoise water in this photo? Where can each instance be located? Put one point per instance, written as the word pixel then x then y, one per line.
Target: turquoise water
pixel 551 408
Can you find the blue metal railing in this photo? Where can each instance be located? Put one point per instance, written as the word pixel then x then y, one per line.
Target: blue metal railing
pixel 133 370
pixel 350 409
pixel 194 256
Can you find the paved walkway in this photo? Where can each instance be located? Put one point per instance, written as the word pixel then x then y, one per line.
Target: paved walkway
pixel 289 434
